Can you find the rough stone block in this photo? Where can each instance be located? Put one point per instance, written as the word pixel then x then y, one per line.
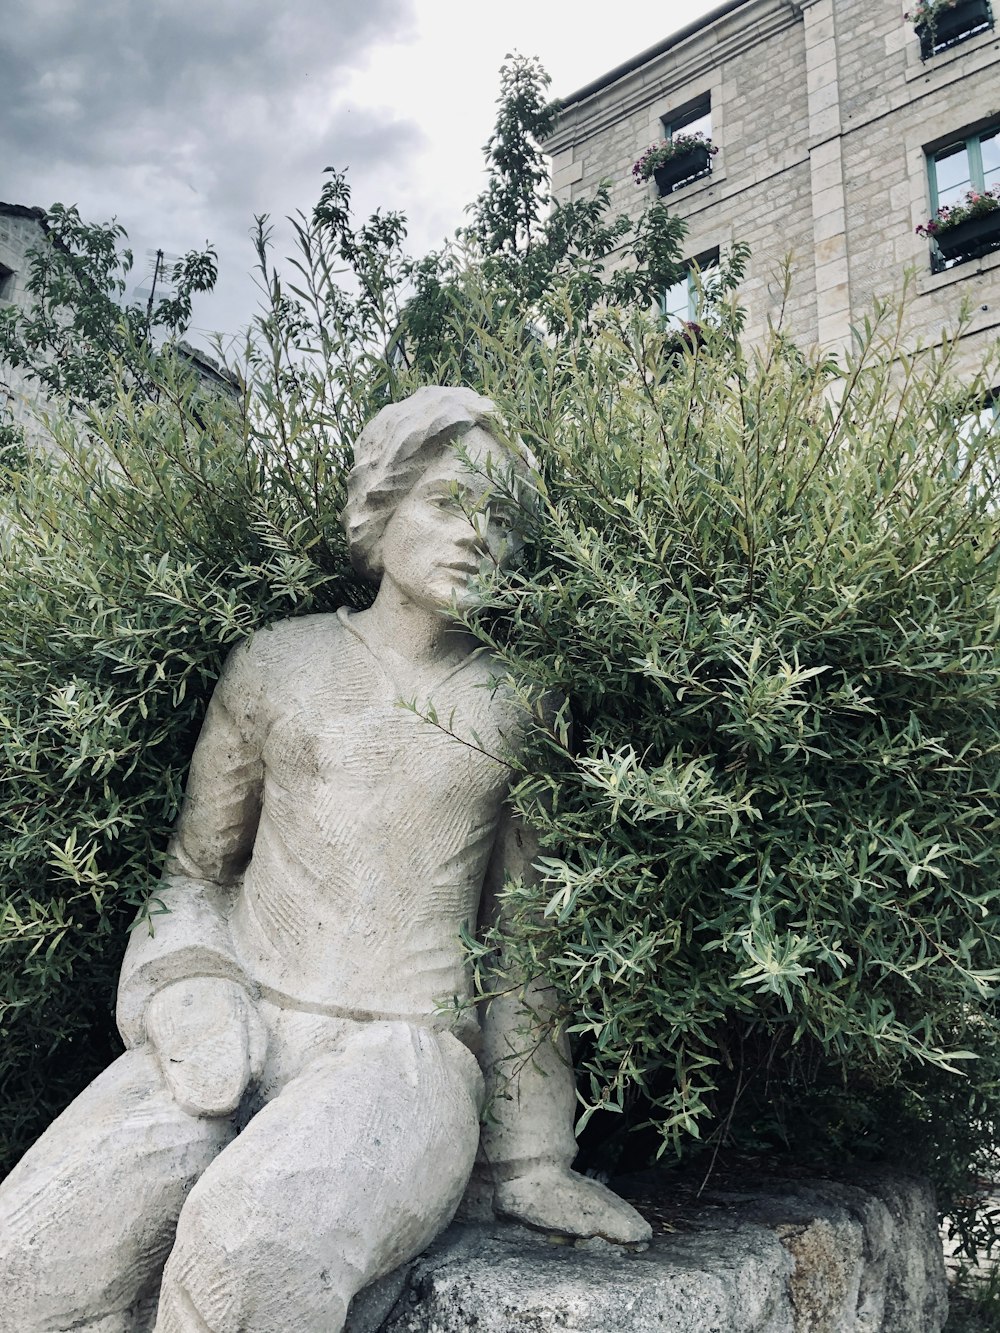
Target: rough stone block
pixel 831 251
pixel 830 224
pixel 783 1257
pixel 827 176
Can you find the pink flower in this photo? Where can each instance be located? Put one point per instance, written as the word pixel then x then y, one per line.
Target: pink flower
pixel 974 205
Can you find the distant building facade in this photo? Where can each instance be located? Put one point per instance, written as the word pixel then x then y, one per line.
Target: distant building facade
pixel 21 398
pixel 839 129
pixel 21 228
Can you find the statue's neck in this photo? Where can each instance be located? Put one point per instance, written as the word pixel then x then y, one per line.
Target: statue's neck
pixel 397 628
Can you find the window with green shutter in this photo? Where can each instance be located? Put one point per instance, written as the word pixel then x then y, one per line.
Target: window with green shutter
pixel 964 181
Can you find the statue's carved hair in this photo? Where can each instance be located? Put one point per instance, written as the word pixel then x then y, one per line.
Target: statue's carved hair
pixel 392 453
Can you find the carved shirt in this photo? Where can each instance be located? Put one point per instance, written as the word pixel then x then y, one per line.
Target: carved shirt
pixel 356 831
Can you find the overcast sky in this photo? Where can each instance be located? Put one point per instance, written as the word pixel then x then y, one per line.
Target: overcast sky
pixel 185 118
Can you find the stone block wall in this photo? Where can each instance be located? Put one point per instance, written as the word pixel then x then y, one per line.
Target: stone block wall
pixel 764 1256
pixel 823 113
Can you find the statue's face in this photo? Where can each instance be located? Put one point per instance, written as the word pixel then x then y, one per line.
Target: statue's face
pixel 449 526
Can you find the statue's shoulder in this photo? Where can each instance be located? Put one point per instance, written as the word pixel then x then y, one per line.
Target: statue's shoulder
pixel 488 670
pixel 522 701
pixel 286 644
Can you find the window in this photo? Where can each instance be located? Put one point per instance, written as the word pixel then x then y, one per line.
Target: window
pixel 689 129
pixel 969 165
pixel 981 421
pixel 975 432
pixel 972 164
pixel 694 118
pixel 6 283
pixel 682 302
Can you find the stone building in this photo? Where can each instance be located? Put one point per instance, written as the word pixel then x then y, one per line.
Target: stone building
pixel 20 229
pixel 838 128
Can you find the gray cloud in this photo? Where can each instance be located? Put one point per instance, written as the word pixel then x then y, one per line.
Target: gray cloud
pixel 184 118
pixel 86 81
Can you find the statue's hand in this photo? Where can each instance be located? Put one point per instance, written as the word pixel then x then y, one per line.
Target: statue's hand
pixel 551 1198
pixel 210 1042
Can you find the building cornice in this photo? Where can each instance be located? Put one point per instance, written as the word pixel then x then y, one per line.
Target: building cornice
pixel 651 52
pixel 680 60
pixel 23 211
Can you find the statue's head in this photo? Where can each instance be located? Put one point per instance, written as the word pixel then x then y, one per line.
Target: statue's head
pixel 428 498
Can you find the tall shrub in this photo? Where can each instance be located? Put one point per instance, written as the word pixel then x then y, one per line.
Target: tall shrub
pixel 160 537
pixel 173 523
pixel 756 617
pixel 765 587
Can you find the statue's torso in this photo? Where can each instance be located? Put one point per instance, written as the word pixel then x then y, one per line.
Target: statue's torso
pixel 375 830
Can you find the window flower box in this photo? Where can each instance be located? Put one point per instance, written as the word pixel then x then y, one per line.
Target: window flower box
pixel 674 161
pixel 695 162
pixel 968 229
pixel 971 238
pixel 942 23
pixel 689 337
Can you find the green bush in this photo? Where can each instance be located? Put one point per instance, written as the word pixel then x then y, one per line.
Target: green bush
pixel 766 586
pixel 161 535
pixel 172 524
pixel 762 588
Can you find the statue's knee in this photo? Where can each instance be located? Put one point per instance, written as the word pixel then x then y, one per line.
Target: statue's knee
pixel 227 1272
pixel 34 1284
pixel 210 1267
pixel 195 1295
pixel 15 1315
pixel 41 1289
pixel 466 1069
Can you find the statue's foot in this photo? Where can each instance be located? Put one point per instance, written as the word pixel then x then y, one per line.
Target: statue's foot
pixel 550 1198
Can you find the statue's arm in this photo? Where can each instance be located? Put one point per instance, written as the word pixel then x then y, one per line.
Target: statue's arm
pixel 208 853
pixel 527 1137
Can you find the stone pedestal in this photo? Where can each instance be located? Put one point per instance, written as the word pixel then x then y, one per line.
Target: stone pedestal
pixel 781 1257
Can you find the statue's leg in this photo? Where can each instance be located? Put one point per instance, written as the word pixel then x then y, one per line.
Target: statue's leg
pixel 353 1168
pixel 87 1216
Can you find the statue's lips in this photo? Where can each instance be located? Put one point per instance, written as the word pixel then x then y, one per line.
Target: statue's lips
pixel 465 567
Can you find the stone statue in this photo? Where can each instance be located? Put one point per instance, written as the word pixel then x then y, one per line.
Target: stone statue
pixel 298 1109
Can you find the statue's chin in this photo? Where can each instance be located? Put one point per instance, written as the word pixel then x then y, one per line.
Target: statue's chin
pixel 465 599
pixel 452 593
pixel 445 592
